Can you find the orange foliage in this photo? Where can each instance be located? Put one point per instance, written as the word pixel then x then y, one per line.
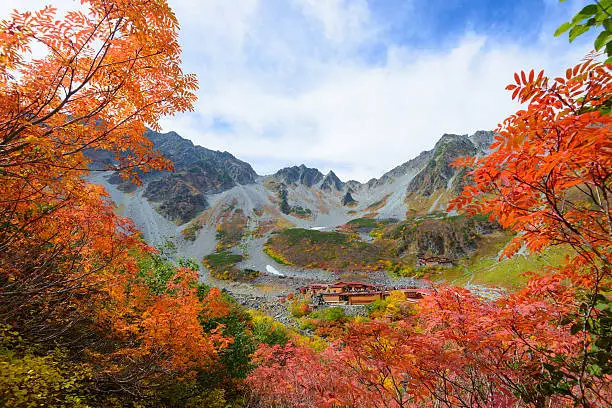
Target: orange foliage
pixel 549 174
pixel 67 262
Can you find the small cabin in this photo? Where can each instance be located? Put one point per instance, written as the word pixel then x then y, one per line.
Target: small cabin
pixel 313 289
pixel 435 261
pixel 352 287
pixel 364 298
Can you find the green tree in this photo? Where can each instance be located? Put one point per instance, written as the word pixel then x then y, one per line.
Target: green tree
pixel 597 15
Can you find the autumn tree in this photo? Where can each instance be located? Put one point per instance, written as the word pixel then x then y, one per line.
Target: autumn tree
pixel 549 179
pixel 69 266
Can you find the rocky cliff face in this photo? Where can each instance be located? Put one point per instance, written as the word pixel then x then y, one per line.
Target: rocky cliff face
pixel 451 237
pixel 332 182
pixel 482 139
pixel 179 201
pixel 348 199
pixel 207 170
pixel 181 195
pixel 438 174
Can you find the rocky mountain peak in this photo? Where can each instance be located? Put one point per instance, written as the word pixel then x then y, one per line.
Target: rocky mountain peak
pixel 353 186
pixel 221 170
pixel 331 182
pixel 452 141
pixel 438 173
pixel 299 175
pixel 198 171
pixel 482 139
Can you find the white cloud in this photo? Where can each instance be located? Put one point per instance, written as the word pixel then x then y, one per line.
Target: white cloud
pixel 341 20
pixel 310 97
pixel 294 82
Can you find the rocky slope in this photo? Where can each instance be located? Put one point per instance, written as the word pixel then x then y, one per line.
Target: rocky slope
pixel 432 188
pixel 299 175
pixel 198 172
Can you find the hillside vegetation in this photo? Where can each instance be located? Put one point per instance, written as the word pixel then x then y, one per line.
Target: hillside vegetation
pixel 391 244
pixel 333 251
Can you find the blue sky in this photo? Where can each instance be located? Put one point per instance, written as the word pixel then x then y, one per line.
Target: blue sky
pixel 438 23
pixel 355 86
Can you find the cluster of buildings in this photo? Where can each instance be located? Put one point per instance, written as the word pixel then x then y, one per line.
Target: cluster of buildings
pixel 356 293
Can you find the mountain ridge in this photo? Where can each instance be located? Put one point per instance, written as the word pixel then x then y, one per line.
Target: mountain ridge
pixel 204 181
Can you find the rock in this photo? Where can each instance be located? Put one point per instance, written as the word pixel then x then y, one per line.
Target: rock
pixel 299 175
pixel 207 170
pixel 179 201
pixel 331 182
pixel 439 173
pixel 482 139
pixel 348 199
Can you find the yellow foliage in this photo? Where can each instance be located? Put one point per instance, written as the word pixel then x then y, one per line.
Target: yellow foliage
pixel 280 258
pixel 360 319
pixel 316 343
pixel 31 381
pixel 397 268
pixel 397 296
pixel 210 399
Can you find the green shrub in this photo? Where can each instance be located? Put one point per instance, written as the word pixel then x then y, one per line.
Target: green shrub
pixel 307 324
pixel 298 210
pixel 331 314
pixel 268 331
pixel 222 259
pixel 294 235
pixel 377 306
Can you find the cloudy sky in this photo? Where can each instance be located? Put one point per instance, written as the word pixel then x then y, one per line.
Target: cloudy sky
pixel 353 85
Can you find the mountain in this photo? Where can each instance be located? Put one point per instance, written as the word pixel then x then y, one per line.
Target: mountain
pixel 216 202
pixel 438 174
pixel 181 195
pixel 331 182
pixel 438 181
pixel 208 170
pixel 302 195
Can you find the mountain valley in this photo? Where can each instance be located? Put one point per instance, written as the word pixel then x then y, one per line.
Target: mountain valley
pixel 271 234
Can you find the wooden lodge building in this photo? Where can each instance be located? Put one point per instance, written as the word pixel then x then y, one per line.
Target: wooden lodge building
pixel 355 293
